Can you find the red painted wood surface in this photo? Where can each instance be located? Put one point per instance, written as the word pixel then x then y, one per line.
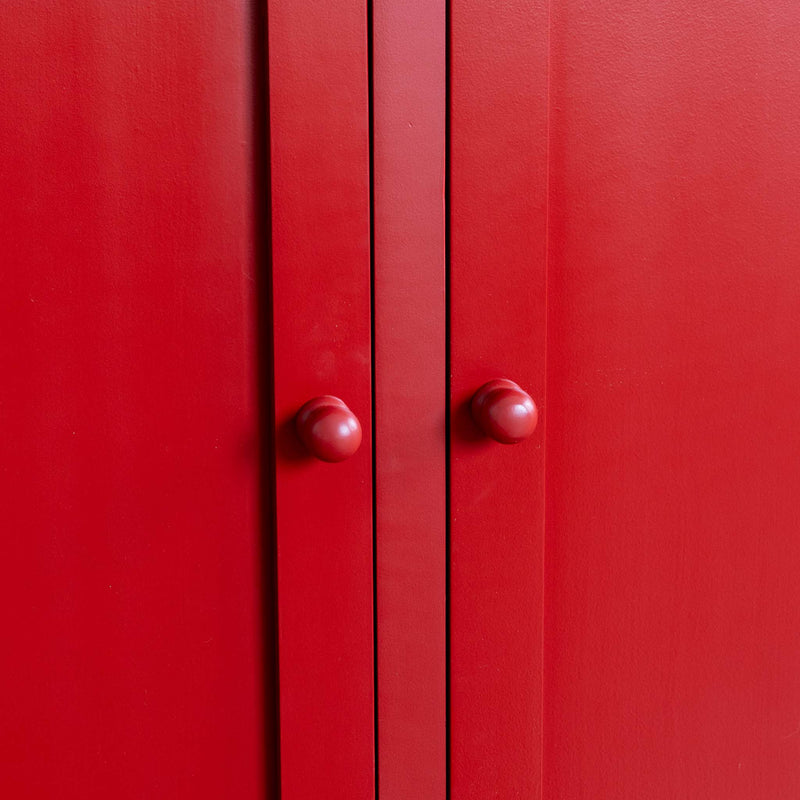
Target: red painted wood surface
pixel 129 597
pixel 410 396
pixel 498 192
pixel 319 135
pixel 672 644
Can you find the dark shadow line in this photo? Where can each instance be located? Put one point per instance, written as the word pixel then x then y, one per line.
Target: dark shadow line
pixel 262 249
pixel 448 382
pixel 371 106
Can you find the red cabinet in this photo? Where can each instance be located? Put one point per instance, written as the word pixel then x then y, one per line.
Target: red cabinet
pixel 215 216
pixel 130 574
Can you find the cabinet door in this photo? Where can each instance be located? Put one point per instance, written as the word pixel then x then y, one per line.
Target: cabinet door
pixel 671 461
pixel 129 576
pixel 672 602
pixel 498 201
pixel 320 247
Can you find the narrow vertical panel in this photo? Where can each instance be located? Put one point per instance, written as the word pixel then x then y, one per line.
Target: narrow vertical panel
pixel 410 396
pixel 129 597
pixel 673 445
pixel 319 134
pixel 498 154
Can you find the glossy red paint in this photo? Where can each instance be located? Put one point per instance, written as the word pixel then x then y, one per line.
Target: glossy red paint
pixel 129 597
pixel 410 396
pixel 504 411
pixel 498 194
pixel 672 644
pixel 319 151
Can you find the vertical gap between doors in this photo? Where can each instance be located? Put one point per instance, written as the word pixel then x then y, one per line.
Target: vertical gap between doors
pixel 447 99
pixel 543 567
pixel 370 85
pixel 262 249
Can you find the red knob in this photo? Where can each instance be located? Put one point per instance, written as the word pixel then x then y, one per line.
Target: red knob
pixel 504 411
pixel 328 428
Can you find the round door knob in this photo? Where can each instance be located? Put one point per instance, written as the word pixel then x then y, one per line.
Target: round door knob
pixel 502 410
pixel 328 428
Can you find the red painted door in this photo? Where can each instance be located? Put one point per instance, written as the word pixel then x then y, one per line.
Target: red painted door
pixel 138 219
pixel 672 627
pixel 665 629
pixel 622 619
pixel 320 265
pixel 129 566
pixel 498 234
